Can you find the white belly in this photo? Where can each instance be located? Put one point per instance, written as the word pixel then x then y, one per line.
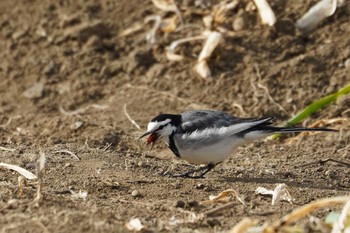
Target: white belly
pixel 213 153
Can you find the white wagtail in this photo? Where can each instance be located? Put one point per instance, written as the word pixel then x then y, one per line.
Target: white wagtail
pixel 209 137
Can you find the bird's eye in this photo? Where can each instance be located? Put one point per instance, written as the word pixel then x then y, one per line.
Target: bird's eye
pixel 160 127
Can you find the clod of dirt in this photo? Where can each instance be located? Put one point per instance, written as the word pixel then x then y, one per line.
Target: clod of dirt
pixel 35 91
pixel 140 58
pixel 213 222
pixel 86 30
pixel 285 26
pixel 179 204
pixel 193 204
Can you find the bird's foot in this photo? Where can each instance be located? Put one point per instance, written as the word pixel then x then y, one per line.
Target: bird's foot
pixel 190 174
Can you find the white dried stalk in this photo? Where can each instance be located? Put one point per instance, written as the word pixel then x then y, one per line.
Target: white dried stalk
pixel 27 174
pixel 132 29
pixel 130 119
pixel 316 14
pixel 266 14
pixel 209 46
pixel 202 68
pixel 339 226
pixel 170 50
pixel 40 170
pixel 68 152
pixel 151 36
pixel 6 149
pixel 81 110
pixel 303 211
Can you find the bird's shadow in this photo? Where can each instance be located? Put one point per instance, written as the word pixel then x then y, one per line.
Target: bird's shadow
pixel 306 184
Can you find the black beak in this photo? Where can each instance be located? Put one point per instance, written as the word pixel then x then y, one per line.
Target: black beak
pixel 145 134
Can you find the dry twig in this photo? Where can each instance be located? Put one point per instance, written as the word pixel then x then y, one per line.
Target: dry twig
pixel 68 152
pixel 81 110
pixel 6 149
pixel 130 119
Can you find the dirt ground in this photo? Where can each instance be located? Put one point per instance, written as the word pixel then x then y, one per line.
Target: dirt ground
pixel 66 79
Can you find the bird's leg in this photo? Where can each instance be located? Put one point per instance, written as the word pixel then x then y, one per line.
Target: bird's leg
pixel 204 170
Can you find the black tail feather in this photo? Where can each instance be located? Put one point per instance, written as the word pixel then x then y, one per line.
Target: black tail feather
pixel 294 130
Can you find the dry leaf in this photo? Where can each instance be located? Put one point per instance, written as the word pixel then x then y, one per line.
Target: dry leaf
pixel 316 14
pixel 224 196
pixel 266 14
pixel 27 174
pixel 279 193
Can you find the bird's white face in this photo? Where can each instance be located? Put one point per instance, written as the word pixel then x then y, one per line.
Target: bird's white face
pixel 162 128
pixel 159 129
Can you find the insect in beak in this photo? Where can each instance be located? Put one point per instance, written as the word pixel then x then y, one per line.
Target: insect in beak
pixel 152 138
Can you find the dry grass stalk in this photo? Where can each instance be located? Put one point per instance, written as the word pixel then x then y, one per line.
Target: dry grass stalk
pixel 316 14
pixel 132 29
pixel 303 211
pixel 344 217
pixel 170 50
pixel 27 174
pixel 243 225
pixel 22 182
pixel 81 110
pixel 266 14
pixel 7 149
pixel 151 36
pixel 40 171
pixel 130 119
pixel 202 68
pixel 68 152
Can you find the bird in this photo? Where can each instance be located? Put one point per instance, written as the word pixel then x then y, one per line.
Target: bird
pixel 208 137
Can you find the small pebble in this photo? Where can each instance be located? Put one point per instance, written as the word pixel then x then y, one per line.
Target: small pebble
pixel 136 193
pixel 142 164
pixel 76 125
pixel 193 203
pixel 200 186
pixel 213 222
pixel 347 63
pixel 30 165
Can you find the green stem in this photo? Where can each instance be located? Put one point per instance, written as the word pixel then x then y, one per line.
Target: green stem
pixel 313 107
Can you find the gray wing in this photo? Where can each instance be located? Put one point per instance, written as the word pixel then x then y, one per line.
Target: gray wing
pixel 202 119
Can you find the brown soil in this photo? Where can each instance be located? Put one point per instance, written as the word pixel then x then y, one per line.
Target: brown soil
pixel 65 77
